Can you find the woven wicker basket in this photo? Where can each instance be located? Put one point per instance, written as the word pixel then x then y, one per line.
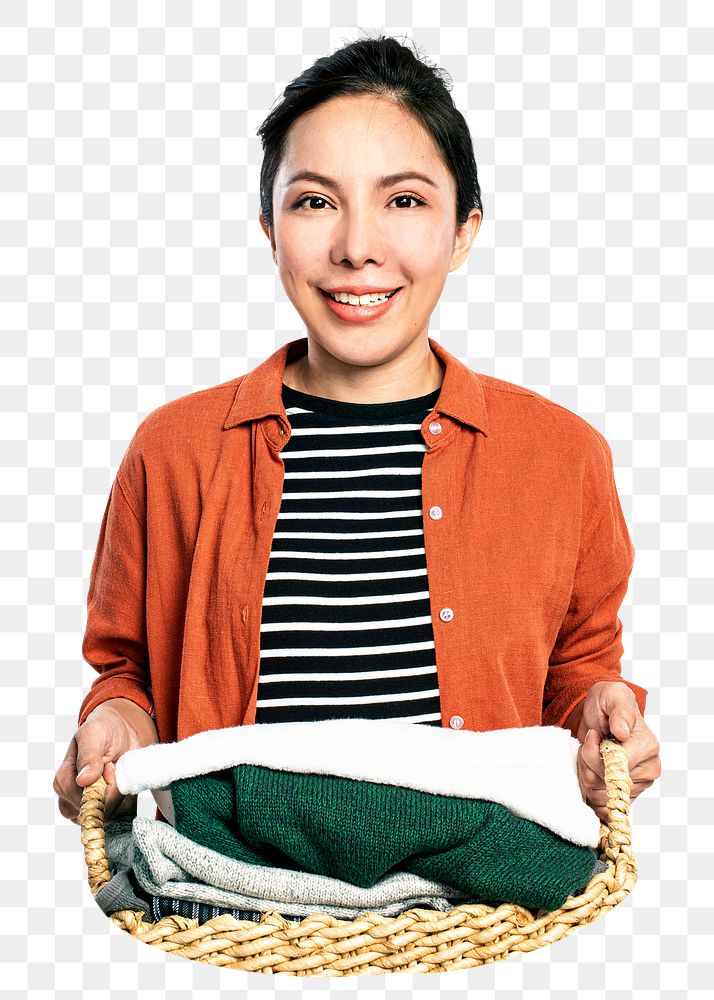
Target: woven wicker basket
pixel 418 940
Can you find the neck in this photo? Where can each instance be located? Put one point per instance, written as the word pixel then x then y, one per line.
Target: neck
pixel 357 384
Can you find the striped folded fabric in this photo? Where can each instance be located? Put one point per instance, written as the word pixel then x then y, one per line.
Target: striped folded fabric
pixel 498 816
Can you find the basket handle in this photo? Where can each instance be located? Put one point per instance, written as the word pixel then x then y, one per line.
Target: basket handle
pixel 91 823
pixel 614 835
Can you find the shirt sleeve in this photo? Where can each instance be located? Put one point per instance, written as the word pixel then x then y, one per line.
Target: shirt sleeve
pixel 588 647
pixel 115 638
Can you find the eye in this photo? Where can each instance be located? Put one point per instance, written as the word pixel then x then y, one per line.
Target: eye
pixel 412 196
pixel 309 197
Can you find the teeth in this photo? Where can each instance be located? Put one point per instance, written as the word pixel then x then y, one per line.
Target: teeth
pixel 374 298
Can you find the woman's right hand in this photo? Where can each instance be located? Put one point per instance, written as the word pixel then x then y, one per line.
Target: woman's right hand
pixel 115 726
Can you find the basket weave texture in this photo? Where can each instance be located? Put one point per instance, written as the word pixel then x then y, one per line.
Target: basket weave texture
pixel 418 940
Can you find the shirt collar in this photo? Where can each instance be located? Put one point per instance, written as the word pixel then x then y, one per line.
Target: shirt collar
pixel 259 393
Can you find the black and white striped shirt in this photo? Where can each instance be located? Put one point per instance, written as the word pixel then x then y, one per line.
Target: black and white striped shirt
pixel 346 626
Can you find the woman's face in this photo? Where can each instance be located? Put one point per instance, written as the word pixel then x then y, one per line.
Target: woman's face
pixel 358 225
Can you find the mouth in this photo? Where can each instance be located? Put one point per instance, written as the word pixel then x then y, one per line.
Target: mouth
pixel 379 301
pixel 349 312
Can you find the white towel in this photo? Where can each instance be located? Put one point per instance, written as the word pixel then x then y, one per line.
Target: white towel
pixel 530 770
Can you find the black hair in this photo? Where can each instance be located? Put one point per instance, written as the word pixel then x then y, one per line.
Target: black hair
pixel 382 66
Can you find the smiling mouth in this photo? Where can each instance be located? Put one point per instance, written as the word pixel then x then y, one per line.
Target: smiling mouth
pixel 329 295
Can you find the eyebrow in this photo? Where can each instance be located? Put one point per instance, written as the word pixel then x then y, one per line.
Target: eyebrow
pixel 389 180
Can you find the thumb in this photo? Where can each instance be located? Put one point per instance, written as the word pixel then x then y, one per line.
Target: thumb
pixel 620 728
pixel 620 709
pixel 90 757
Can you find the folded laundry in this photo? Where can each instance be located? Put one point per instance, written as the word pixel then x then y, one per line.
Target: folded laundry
pixel 496 816
pixel 359 831
pixel 130 895
pixel 530 770
pixel 125 892
pixel 151 860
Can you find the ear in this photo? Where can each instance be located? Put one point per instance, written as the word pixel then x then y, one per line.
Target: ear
pixel 268 232
pixel 464 238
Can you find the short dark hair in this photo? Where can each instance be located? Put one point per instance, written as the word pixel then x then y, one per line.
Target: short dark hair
pixel 382 66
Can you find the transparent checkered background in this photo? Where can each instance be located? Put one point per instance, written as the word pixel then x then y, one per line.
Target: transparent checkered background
pixel 133 270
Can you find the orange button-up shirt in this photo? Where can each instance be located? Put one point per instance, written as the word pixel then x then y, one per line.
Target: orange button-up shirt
pixel 527 550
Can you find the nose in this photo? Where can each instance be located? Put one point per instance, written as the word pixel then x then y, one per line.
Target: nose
pixel 357 239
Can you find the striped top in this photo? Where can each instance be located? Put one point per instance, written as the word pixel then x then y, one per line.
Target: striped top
pixel 346 626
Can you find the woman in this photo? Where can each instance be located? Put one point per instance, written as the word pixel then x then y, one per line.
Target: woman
pixel 361 526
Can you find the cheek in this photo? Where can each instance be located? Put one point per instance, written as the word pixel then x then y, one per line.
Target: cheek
pixel 426 273
pixel 300 247
pixel 425 261
pixel 299 266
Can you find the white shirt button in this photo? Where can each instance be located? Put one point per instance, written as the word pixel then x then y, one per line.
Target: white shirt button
pixel 456 722
pixel 446 614
pixel 435 512
pixel 435 427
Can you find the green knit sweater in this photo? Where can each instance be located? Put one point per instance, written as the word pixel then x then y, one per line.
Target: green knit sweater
pixel 359 831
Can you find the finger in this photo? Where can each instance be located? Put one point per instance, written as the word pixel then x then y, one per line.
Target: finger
pixel 590 786
pixel 115 806
pixel 620 728
pixel 646 772
pixel 70 755
pixel 621 708
pixel 598 803
pixel 127 807
pixel 639 787
pixel 644 751
pixel 95 747
pixel 591 758
pixel 642 774
pixel 596 795
pixel 65 773
pixel 622 718
pixel 71 802
pixel 69 794
pixel 112 796
pixel 116 803
pixel 67 809
pixel 643 762
pixel 597 799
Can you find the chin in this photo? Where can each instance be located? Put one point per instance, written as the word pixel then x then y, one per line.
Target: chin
pixel 362 347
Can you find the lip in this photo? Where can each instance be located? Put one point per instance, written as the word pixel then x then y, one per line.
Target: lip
pixel 359 314
pixel 357 290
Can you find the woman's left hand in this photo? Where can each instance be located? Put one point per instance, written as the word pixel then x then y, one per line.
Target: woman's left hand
pixel 610 709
